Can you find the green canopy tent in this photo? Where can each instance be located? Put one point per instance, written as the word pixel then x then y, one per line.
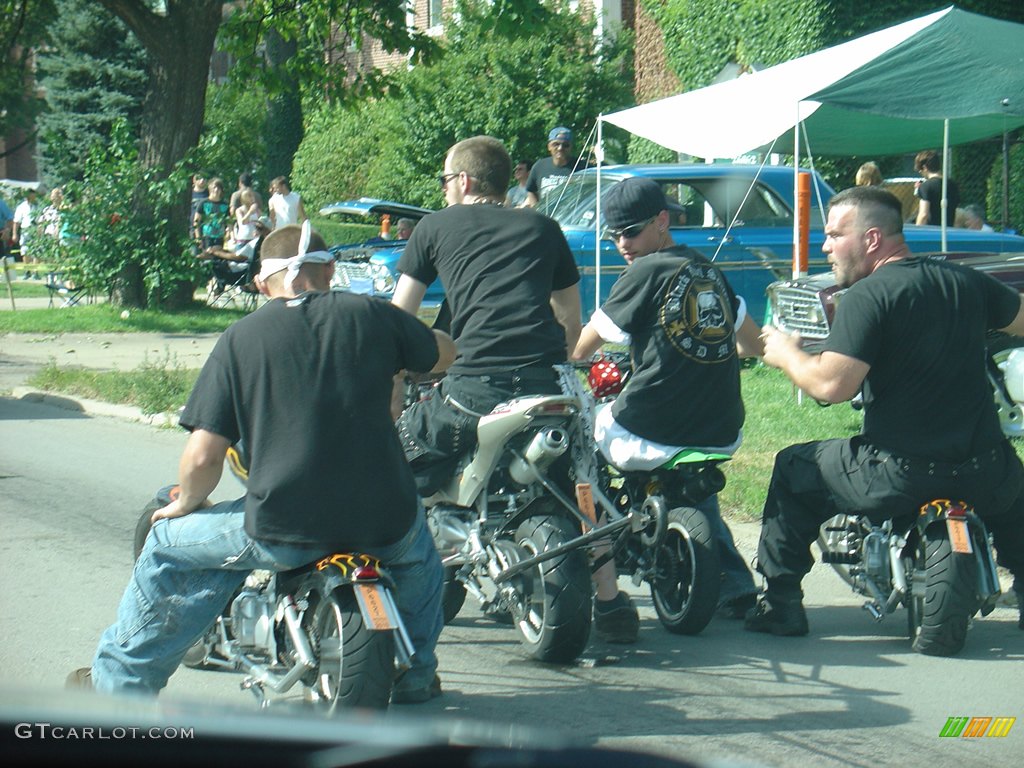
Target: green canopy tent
pixel 946 78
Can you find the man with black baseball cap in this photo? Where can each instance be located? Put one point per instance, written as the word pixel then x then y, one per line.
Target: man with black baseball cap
pixel 686 330
pixel 549 173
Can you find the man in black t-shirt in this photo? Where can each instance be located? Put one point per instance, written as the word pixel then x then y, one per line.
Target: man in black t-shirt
pixel 550 173
pixel 911 333
pixel 929 192
pixel 681 320
pixel 304 383
pixel 511 285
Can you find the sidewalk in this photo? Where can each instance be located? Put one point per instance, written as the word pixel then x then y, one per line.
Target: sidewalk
pixel 22 354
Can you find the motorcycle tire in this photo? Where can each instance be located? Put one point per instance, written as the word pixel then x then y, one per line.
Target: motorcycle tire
pixel 687 573
pixel 196 656
pixel 942 595
pixel 453 595
pixel 355 665
pixel 555 615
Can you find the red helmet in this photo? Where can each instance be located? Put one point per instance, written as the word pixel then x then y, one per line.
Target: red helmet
pixel 605 378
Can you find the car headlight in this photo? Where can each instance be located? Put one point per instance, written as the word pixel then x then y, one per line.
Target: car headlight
pixel 383 280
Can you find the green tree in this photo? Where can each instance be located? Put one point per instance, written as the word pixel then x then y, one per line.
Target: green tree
pixel 93 73
pixel 515 88
pixel 24 26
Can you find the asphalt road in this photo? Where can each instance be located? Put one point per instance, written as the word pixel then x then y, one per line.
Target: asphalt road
pixel 850 694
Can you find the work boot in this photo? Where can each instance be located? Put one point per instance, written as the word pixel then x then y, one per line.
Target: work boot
pixel 616 620
pixel 737 607
pixel 783 616
pixel 417 695
pixel 80 678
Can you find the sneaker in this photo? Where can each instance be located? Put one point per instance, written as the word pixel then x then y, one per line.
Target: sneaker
pixel 737 607
pixel 616 620
pixel 777 617
pixel 417 695
pixel 80 678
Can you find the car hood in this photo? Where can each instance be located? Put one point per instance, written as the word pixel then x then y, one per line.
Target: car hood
pixel 369 206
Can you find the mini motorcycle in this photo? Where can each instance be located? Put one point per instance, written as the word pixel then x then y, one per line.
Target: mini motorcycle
pixel 502 534
pixel 331 627
pixel 656 532
pixel 939 566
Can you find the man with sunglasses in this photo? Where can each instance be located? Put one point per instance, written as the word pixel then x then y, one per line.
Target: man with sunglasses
pixel 686 330
pixel 511 286
pixel 550 173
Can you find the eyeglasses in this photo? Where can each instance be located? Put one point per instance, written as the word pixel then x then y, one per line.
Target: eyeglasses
pixel 444 178
pixel 633 230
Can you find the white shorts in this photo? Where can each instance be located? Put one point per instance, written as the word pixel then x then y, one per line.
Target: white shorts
pixel 631 452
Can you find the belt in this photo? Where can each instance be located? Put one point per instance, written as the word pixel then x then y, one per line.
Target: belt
pixel 943 468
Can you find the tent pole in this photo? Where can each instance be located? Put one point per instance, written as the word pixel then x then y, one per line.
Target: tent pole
pixel 599 155
pixel 796 195
pixel 945 180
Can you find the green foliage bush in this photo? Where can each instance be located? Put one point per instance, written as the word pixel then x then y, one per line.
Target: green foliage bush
pixel 514 88
pixel 232 142
pixel 106 230
pixel 994 197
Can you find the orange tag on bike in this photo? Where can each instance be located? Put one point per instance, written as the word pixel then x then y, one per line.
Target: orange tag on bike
pixel 585 501
pixel 959 538
pixel 375 614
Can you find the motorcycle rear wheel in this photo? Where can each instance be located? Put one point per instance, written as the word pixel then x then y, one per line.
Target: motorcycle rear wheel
pixel 355 665
pixel 942 595
pixel 554 618
pixel 687 573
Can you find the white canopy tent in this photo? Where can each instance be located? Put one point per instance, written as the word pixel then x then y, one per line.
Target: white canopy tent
pixel 875 94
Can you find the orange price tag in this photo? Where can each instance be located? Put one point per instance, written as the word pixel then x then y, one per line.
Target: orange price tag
pixel 374 614
pixel 958 536
pixel 585 501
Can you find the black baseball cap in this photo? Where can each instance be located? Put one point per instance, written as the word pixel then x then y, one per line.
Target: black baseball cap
pixel 634 200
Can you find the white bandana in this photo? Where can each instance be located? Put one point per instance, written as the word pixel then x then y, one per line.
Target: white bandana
pixel 270 267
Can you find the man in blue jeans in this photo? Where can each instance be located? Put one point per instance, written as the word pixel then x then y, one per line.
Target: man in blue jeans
pixel 686 331
pixel 305 384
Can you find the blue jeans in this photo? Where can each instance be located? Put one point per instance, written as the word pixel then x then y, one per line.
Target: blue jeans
pixel 191 566
pixel 737 580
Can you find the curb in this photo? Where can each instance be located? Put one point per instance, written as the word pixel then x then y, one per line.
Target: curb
pixel 94 407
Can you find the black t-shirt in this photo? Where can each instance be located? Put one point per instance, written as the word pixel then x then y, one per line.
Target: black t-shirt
pixel 546 176
pixel 931 190
pixel 498 267
pixel 920 324
pixel 680 313
pixel 306 385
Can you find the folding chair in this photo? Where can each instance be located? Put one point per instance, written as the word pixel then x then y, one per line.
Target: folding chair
pixel 58 287
pixel 234 287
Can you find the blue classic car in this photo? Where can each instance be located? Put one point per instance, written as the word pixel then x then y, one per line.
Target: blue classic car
pixel 736 215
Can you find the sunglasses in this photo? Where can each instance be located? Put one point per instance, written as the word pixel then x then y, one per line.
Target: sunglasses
pixel 444 178
pixel 633 230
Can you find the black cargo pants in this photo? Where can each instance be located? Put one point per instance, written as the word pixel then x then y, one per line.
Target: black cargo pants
pixel 812 482
pixel 437 431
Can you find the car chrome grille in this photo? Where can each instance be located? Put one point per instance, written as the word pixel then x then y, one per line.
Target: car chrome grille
pixel 799 309
pixel 352 276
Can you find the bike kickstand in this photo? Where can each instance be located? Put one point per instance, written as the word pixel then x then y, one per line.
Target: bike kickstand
pixel 254 685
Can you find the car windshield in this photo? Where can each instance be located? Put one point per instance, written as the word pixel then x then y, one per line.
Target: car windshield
pixel 704 202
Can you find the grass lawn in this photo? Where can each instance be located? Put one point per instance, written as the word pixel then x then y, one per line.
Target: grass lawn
pixel 103 318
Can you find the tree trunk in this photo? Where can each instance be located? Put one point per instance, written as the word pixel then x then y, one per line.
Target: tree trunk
pixel 283 127
pixel 179 44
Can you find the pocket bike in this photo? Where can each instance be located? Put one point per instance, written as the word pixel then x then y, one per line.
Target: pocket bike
pixel 939 565
pixel 330 629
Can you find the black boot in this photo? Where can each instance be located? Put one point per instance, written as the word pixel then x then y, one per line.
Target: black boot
pixel 779 611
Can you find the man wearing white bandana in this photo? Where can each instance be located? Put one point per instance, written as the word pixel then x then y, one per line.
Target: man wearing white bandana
pixel 305 384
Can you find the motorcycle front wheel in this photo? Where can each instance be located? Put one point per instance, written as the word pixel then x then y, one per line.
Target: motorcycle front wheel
pixel 942 595
pixel 554 616
pixel 355 665
pixel 686 573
